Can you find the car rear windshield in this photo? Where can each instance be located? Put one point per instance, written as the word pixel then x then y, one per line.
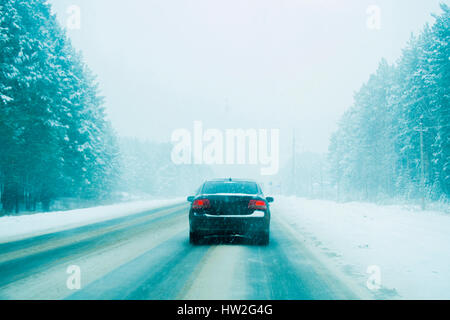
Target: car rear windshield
pixel 214 187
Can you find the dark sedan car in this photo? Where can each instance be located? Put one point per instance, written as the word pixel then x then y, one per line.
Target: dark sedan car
pixel 230 208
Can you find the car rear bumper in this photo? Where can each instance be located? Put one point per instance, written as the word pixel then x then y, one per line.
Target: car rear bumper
pixel 229 225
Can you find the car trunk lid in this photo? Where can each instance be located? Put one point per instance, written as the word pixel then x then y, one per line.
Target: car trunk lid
pixel 229 204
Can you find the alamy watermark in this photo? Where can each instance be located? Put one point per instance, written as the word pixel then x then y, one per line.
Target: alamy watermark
pixel 374 280
pixel 74 280
pixel 227 147
pixel 73 18
pixel 373 21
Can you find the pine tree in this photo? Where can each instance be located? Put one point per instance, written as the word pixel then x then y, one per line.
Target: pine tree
pixel 395 141
pixel 55 139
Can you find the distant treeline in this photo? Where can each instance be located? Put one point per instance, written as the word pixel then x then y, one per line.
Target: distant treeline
pixel 55 144
pixel 54 139
pixel 377 151
pixel 147 169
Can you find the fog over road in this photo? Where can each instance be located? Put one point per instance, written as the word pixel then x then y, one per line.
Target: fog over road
pixel 148 256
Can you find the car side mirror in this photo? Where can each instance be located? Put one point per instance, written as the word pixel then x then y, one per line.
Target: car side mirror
pixel 269 199
pixel 190 199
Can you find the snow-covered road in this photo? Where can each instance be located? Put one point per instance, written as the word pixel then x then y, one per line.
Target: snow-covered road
pixel 318 250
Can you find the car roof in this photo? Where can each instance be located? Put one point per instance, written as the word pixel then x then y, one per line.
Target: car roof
pixel 231 180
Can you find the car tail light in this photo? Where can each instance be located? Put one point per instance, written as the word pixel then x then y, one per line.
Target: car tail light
pixel 201 204
pixel 257 205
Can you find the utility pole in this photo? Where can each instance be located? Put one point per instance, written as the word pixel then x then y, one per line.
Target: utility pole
pixel 294 182
pixel 321 180
pixel 422 165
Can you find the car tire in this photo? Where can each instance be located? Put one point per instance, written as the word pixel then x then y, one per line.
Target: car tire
pixel 193 238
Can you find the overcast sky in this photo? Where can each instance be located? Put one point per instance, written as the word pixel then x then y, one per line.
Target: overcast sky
pixel 237 63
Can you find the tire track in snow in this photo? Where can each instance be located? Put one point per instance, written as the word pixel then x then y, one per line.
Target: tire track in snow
pixel 34 263
pixel 159 273
pixel 220 275
pixel 51 283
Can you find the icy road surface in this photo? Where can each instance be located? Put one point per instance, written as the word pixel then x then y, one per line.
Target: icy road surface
pixel 147 255
pixel 318 250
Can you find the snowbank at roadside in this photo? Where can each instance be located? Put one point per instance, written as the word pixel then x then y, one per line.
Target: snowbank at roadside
pixel 410 249
pixel 19 227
